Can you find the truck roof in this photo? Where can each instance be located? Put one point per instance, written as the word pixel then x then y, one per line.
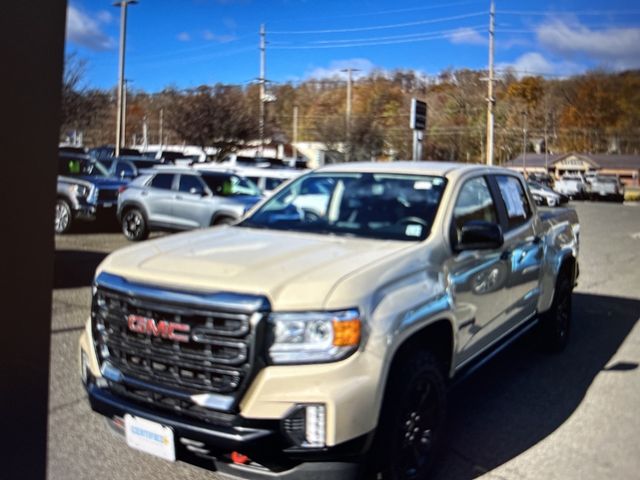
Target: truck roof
pixel 408 167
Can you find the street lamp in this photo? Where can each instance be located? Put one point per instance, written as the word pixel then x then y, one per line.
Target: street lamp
pixel 524 143
pixel 123 4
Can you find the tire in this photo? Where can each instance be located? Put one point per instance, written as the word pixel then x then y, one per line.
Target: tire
pixel 134 225
pixel 63 217
pixel 223 221
pixel 555 323
pixel 412 420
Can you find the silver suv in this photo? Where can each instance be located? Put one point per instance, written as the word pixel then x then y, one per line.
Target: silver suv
pixel 183 199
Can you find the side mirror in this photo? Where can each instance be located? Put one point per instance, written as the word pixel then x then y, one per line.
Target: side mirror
pixel 480 235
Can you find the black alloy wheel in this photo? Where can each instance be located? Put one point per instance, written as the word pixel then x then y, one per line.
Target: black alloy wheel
pixel 134 225
pixel 412 425
pixel 556 322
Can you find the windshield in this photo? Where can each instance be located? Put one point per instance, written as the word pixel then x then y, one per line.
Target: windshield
pixel 607 179
pixel 79 167
pixel 230 185
pixel 381 206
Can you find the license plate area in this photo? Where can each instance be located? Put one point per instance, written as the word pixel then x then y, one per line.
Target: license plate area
pixel 150 437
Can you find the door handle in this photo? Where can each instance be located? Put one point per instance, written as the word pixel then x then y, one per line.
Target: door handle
pixel 178 197
pixel 144 194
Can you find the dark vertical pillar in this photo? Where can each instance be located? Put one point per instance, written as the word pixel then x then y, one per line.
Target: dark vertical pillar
pixel 32 51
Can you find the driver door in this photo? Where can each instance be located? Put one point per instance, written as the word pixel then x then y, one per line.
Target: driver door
pixel 477 278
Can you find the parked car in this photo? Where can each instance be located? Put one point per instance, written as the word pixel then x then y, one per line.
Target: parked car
pixel 267 179
pixel 172 198
pixel 109 151
pixel 322 344
pixel 85 191
pixel 545 196
pixel 607 187
pixel 573 185
pixel 541 178
pixel 128 167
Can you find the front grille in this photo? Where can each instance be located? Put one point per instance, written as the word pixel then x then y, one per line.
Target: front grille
pixel 107 195
pixel 218 357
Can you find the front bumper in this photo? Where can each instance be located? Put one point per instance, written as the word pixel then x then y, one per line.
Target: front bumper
pixel 262 441
pixel 256 430
pixel 89 212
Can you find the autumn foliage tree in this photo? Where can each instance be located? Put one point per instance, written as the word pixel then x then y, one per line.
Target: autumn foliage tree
pixel 593 112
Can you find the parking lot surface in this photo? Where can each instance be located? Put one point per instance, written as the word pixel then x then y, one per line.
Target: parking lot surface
pixel 526 415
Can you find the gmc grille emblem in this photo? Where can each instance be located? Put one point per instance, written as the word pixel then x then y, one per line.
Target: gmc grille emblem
pixel 162 329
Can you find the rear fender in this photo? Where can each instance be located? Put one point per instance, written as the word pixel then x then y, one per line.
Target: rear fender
pixel 562 243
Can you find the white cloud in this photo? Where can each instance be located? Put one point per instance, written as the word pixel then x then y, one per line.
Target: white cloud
pixel 534 63
pixel 613 47
pixel 183 37
pixel 85 31
pixel 467 36
pixel 104 16
pixel 213 37
pixel 230 23
pixel 335 68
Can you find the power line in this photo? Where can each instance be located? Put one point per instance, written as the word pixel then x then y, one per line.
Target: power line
pixel 568 12
pixel 368 44
pixel 394 37
pixel 379 12
pixel 379 27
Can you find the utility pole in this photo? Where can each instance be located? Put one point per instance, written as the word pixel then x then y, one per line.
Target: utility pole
pixel 124 113
pixel 524 143
pixel 263 48
pixel 546 147
pixel 490 99
pixel 123 4
pixel 295 131
pixel 161 126
pixel 349 72
pixel 145 133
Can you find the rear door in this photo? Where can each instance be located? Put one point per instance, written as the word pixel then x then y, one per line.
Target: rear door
pixel 522 247
pixel 158 198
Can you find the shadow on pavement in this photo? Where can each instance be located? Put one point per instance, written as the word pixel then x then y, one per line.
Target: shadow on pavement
pixel 100 225
pixel 524 395
pixel 75 268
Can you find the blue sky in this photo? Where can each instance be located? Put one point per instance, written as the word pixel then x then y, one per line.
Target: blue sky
pixel 185 43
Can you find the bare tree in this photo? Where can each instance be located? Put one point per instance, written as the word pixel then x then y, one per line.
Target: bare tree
pixel 217 116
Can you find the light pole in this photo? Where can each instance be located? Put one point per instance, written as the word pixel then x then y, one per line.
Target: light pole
pixel 124 111
pixel 524 143
pixel 123 4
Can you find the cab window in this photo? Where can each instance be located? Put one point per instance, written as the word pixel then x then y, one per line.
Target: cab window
pixel 474 203
pixel 515 201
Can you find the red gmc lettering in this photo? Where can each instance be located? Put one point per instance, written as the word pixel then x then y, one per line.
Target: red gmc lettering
pixel 163 329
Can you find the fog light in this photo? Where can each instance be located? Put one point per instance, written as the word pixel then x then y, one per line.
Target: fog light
pixel 84 367
pixel 306 425
pixel 239 458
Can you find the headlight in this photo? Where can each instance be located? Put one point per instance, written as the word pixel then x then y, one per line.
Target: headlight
pixel 80 190
pixel 313 337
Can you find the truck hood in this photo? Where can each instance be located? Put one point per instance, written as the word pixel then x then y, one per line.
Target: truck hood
pixel 104 182
pixel 295 271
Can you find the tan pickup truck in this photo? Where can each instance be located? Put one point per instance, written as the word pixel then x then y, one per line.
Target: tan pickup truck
pixel 316 338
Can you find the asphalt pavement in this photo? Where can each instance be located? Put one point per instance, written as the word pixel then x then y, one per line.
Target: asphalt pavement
pixel 526 415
